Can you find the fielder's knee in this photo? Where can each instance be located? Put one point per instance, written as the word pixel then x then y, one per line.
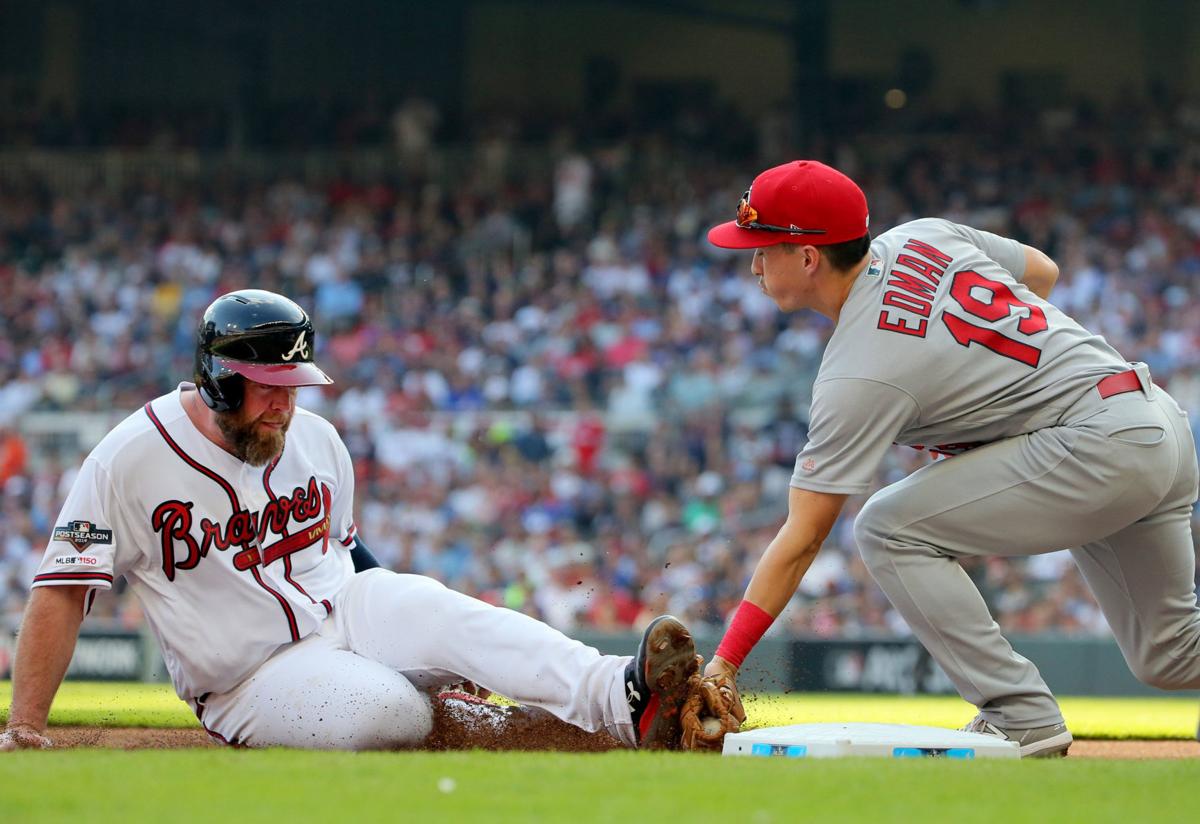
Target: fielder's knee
pixel 871 532
pixel 1167 673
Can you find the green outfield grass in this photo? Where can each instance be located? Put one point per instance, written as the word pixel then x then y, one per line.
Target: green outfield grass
pixel 109 704
pixel 271 785
pixel 641 788
pixel 155 705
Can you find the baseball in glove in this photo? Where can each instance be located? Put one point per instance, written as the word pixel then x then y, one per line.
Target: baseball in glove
pixel 712 710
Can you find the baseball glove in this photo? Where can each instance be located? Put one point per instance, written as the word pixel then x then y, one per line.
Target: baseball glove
pixel 711 711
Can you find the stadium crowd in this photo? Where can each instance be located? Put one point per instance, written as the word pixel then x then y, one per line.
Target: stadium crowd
pixel 558 397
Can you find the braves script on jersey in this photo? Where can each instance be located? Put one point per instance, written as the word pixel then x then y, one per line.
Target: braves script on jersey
pixel 229 561
pixel 940 346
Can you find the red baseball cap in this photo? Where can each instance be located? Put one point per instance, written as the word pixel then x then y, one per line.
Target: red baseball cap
pixel 804 201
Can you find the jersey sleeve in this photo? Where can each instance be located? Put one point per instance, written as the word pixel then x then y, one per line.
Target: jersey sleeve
pixel 852 423
pixel 341 510
pixel 86 536
pixel 1004 250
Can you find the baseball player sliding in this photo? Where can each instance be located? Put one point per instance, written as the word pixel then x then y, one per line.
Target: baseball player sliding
pixel 229 512
pixel 944 340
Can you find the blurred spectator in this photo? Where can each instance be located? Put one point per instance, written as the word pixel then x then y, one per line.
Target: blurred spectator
pixel 13 455
pixel 556 395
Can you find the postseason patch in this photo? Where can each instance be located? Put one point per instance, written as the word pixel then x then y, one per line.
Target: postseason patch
pixel 82 534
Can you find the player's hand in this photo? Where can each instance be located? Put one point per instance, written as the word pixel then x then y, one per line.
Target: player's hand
pixel 726 675
pixel 23 737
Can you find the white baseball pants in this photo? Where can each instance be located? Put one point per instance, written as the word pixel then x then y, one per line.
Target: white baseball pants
pixel 359 681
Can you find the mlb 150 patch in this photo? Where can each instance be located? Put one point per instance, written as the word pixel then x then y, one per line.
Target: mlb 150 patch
pixel 82 534
pixel 75 560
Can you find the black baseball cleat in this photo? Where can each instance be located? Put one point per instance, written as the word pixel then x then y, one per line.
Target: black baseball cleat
pixel 656 682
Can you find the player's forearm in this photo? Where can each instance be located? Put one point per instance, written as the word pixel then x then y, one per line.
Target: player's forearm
pixel 775 579
pixel 811 516
pixel 44 649
pixel 782 567
pixel 1041 272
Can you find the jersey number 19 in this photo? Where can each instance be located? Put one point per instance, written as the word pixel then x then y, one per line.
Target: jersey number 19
pixel 999 307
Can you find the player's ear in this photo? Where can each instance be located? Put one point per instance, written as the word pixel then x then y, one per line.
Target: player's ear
pixel 812 258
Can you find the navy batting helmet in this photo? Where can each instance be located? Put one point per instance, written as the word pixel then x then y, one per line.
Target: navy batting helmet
pixel 253 334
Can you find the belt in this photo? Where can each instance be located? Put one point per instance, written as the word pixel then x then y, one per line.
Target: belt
pixel 1119 384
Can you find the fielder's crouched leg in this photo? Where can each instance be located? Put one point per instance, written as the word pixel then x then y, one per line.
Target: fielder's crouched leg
pixel 943 608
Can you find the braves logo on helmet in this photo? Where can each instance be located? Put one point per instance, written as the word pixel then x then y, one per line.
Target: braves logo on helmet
pixel 297 349
pixel 257 335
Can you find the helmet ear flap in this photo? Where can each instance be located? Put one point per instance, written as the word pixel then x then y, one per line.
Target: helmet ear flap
pixel 219 393
pixel 210 401
pixel 233 390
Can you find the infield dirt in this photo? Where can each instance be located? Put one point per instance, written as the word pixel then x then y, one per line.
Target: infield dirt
pixel 137 738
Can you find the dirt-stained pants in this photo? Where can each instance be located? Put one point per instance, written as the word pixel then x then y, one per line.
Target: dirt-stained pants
pixel 356 682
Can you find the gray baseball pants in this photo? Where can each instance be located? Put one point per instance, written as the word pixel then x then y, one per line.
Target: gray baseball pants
pixel 1115 481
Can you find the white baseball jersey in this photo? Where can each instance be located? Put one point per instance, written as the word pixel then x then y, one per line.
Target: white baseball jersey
pixel 229 561
pixel 267 632
pixel 940 346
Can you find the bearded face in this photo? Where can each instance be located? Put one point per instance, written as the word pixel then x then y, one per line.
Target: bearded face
pixel 256 440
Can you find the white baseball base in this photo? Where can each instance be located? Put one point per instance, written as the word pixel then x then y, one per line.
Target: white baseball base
pixel 874 740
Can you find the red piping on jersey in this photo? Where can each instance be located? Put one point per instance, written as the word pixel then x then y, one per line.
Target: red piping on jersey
pixel 200 708
pixel 203 470
pixel 287 608
pixel 287 576
pixel 237 507
pixel 287 559
pixel 227 742
pixel 73 576
pixel 267 488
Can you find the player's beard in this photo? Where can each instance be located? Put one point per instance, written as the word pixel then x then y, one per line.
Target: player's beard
pixel 249 440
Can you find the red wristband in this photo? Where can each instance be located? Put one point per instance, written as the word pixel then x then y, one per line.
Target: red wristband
pixel 748 625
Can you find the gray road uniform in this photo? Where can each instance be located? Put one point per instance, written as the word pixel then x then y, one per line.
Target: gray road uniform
pixel 1054 442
